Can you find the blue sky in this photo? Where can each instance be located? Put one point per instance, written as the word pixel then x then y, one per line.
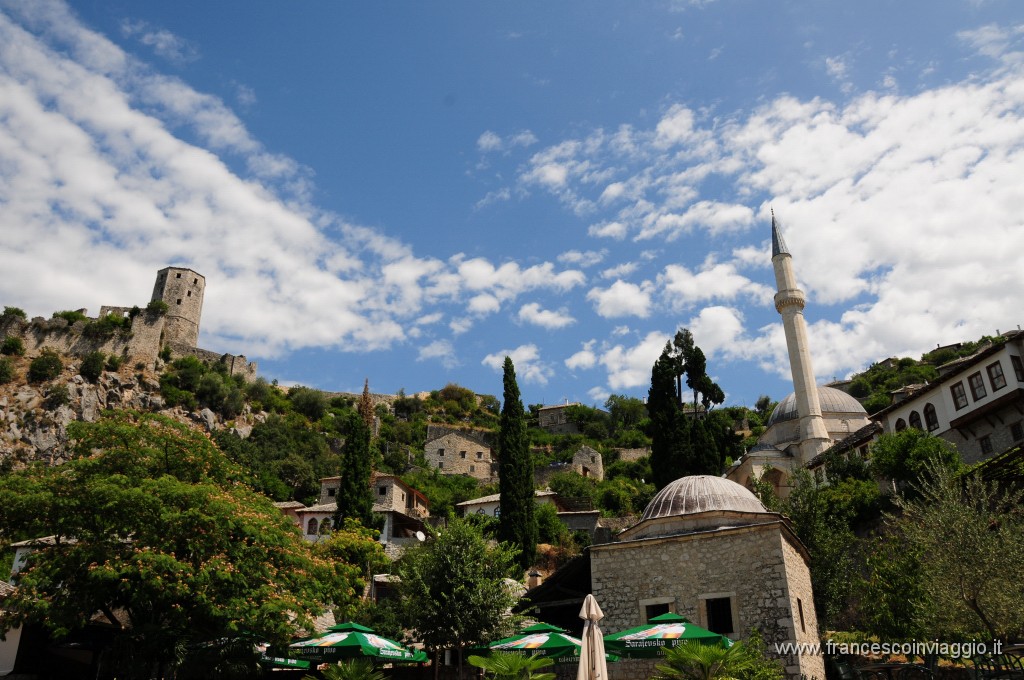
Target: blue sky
pixel 409 191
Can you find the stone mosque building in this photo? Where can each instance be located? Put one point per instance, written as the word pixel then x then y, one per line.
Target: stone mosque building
pixel 811 418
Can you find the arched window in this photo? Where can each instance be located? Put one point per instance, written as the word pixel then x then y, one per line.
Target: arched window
pixel 931 419
pixel 325 526
pixel 901 425
pixel 915 420
pixel 311 527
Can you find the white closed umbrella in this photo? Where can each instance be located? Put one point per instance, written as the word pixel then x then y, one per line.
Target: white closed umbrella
pixel 593 663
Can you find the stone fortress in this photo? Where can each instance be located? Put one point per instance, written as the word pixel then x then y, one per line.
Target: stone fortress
pixel 151 331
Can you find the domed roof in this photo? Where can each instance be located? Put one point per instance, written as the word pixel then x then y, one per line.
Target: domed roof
pixel 830 399
pixel 701 493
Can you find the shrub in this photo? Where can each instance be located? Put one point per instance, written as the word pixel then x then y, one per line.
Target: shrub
pixel 309 402
pixel 12 346
pixel 46 366
pixel 12 312
pixel 6 371
pixel 114 362
pixel 106 326
pixel 157 307
pixel 92 366
pixel 70 316
pixel 57 396
pixel 165 353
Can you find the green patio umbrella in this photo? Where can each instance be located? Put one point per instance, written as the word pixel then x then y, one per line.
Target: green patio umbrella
pixel 667 630
pixel 544 640
pixel 348 640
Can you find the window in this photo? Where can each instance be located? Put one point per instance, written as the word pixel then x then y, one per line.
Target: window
pixel 995 376
pixel 931 419
pixel 440 452
pixel 901 424
pixel 472 468
pixel 178 275
pixel 985 443
pixel 1017 432
pixel 188 294
pixel 179 301
pixel 311 527
pixel 977 386
pixel 382 490
pixel 479 455
pixel 915 420
pixel 1018 367
pixel 331 492
pixel 440 465
pixel 462 455
pixel 959 396
pixel 719 611
pixel 800 610
pixel 195 281
pixel 652 610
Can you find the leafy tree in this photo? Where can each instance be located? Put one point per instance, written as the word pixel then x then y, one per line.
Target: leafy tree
pixel 46 366
pixel 969 535
pixel 161 528
pixel 550 529
pixel 626 412
pixel 443 491
pixel 892 594
pixel 669 428
pixel 513 666
pixel 453 589
pixel 12 313
pixel 92 366
pixel 355 496
pixel 515 473
pixel 907 456
pixel 309 402
pixel 352 544
pixel 12 346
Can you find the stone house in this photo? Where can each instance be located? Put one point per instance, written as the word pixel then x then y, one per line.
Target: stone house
pixel 491 505
pixel 707 549
pixel 587 462
pixel 461 453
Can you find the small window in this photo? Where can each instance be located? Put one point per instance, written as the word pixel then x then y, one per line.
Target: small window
pixel 312 526
pixel 995 376
pixel 959 396
pixel 479 455
pixel 985 443
pixel 901 424
pixel 977 386
pixel 188 294
pixel 719 610
pixel 462 454
pixel 915 420
pixel 1017 431
pixel 472 468
pixel 195 281
pixel 800 610
pixel 382 490
pixel 440 465
pixel 179 301
pixel 440 452
pixel 931 419
pixel 1018 367
pixel 652 610
pixel 178 275
pixel 497 511
pixel 331 492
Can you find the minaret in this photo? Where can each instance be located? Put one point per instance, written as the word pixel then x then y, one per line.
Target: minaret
pixel 789 302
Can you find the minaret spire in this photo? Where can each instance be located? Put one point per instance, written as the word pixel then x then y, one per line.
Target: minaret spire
pixel 789 302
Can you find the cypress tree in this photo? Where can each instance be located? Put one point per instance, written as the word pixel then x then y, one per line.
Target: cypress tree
pixel 668 427
pixel 518 525
pixel 355 497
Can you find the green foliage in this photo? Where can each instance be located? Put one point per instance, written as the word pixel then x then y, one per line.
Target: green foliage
pixel 692 660
pixel 157 307
pixel 72 317
pixel 515 473
pixel 266 397
pixel 513 666
pixel 6 371
pixel 106 326
pixel 114 362
pixel 352 544
pixel 444 491
pixel 46 366
pixel 165 353
pixel 57 396
pixel 12 313
pixel 968 535
pixel 12 346
pixel 92 366
pixel 453 590
pixel 191 383
pixel 623 496
pixel 352 669
pixel 309 402
pixel 550 529
pixel 160 528
pixel 572 485
pixel 355 495
pixel 892 597
pixel 905 457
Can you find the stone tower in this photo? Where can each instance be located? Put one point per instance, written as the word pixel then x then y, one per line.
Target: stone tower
pixel 182 290
pixel 789 302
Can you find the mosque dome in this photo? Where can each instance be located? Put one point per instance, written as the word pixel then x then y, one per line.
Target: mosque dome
pixel 701 493
pixel 833 402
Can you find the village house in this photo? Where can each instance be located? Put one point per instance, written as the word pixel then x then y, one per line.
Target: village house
pixel 460 452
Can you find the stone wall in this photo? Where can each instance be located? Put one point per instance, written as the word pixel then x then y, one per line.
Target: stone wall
pixel 749 565
pixel 141 343
pixel 455 454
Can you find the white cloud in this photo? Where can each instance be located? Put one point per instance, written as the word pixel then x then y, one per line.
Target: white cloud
pixel 715 281
pixel 584 258
pixel 618 271
pixel 630 367
pixel 489 141
pixel 532 313
pixel 622 299
pixel 441 350
pixel 526 359
pixel 583 359
pixel 615 230
pixel 164 43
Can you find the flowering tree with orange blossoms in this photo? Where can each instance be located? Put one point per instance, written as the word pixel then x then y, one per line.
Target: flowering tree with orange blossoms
pixel 154 529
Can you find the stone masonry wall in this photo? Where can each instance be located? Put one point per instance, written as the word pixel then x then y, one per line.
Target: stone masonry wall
pixel 804 620
pixel 446 453
pixel 747 564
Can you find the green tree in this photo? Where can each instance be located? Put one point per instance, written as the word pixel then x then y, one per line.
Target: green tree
pixel 12 346
pixel 513 666
pixel 46 366
pixel 161 528
pixel 669 428
pixel 13 313
pixel 905 457
pixel 309 402
pixel 515 473
pixel 969 536
pixel 6 370
pixel 453 589
pixel 355 496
